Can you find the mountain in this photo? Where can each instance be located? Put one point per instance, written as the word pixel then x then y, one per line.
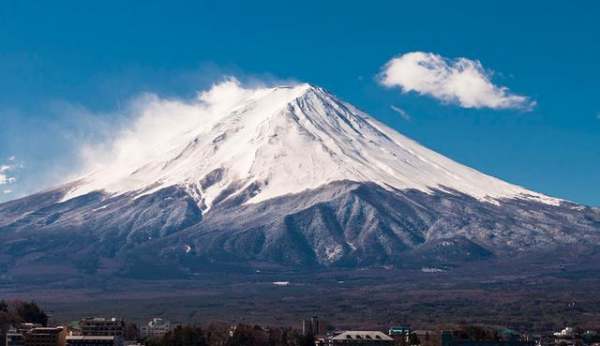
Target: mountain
pixel 288 140
pixel 285 177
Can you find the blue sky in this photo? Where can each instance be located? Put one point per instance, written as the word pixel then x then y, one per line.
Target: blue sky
pixel 67 68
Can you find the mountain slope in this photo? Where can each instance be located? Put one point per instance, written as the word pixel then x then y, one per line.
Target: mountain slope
pixel 285 177
pixel 290 139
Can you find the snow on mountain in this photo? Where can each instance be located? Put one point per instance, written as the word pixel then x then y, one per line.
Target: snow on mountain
pixel 287 177
pixel 278 141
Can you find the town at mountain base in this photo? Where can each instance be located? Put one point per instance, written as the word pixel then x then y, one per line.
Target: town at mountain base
pixel 26 324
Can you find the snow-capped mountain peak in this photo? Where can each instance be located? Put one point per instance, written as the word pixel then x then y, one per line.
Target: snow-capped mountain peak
pixel 287 177
pixel 269 142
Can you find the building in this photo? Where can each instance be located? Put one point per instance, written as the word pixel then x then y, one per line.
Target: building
pixel 45 336
pixel 14 337
pixel 311 327
pixel 23 327
pixel 364 338
pixel 567 337
pixel 81 340
pixel 567 332
pixel 156 328
pixel 99 326
pixel 400 333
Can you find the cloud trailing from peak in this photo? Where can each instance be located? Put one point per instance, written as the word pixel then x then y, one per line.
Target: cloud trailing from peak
pixel 460 81
pixel 81 139
pixel 155 123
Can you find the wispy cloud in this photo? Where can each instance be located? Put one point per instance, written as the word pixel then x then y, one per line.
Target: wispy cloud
pixel 75 138
pixel 156 123
pixel 458 81
pixel 6 176
pixel 404 114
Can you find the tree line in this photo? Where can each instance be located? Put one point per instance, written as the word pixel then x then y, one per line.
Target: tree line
pixel 18 311
pixel 221 334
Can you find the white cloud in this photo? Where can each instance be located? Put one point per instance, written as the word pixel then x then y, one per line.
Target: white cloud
pixel 458 81
pixel 5 176
pixel 119 140
pixel 7 191
pixel 404 114
pixel 157 125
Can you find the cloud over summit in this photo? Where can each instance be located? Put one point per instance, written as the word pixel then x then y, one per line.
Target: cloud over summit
pixel 460 81
pixel 156 123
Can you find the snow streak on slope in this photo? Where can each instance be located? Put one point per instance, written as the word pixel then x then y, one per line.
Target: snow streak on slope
pixel 269 142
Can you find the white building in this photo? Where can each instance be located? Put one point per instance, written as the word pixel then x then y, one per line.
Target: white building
pixel 356 337
pixel 156 327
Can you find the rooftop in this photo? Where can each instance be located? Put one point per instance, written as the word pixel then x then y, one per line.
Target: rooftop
pixel 90 337
pixel 363 335
pixel 101 319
